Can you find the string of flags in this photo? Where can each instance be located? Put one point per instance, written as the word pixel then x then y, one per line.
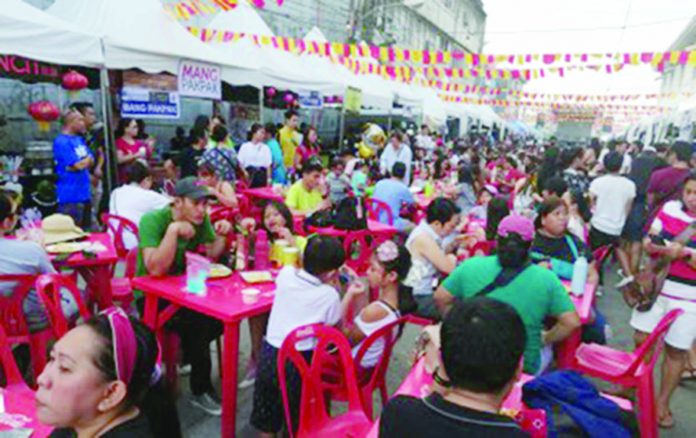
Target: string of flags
pixel 186 9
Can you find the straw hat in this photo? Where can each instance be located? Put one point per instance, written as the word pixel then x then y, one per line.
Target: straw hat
pixel 60 228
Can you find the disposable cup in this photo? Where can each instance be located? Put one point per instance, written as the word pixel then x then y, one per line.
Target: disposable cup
pixel 290 256
pixel 250 295
pixel 277 250
pixel 197 272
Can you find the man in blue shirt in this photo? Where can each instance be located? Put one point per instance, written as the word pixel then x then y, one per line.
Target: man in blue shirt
pixel 394 192
pixel 73 159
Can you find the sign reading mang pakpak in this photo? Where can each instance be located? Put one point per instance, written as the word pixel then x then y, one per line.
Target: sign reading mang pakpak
pixel 197 79
pixel 149 104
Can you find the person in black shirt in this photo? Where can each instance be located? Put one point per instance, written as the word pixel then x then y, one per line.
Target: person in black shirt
pixel 189 157
pixel 102 380
pixel 482 345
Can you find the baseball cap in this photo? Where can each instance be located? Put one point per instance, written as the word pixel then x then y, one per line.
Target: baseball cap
pixel 191 188
pixel 515 223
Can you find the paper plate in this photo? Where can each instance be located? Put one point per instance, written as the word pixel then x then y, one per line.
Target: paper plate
pixel 219 271
pixel 252 277
pixel 65 247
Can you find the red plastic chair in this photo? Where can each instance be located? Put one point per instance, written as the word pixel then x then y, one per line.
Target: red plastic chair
pixel 375 208
pixel 117 225
pixel 633 370
pixel 366 243
pixel 14 322
pixel 13 378
pixel 49 287
pixel 370 379
pixel 121 288
pixel 314 420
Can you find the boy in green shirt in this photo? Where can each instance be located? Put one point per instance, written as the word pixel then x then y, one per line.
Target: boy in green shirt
pixel 535 292
pixel 305 196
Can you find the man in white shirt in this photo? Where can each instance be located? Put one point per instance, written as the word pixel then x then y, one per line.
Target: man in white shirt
pixel 626 158
pixel 395 152
pixel 255 157
pixel 424 140
pixel 135 198
pixel 612 196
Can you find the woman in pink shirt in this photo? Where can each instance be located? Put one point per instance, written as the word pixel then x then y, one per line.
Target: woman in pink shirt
pixel 310 145
pixel 128 148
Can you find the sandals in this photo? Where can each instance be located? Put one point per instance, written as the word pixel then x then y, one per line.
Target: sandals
pixel 666 421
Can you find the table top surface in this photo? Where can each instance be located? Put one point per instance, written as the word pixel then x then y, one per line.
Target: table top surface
pixel 583 304
pixel 20 413
pixel 223 299
pixel 106 257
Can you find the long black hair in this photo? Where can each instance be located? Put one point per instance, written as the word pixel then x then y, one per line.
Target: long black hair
pixel 402 265
pixel 283 210
pixel 497 210
pixel 146 389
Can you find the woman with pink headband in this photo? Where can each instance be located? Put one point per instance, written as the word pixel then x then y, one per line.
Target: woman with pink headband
pixel 100 382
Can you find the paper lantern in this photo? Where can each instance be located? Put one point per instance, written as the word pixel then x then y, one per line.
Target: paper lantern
pixel 74 81
pixel 270 92
pixel 44 112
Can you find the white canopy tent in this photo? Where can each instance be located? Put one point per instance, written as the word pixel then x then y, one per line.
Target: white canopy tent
pixel 140 34
pixel 32 33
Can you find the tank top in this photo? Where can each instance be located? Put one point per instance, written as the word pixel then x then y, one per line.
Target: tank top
pixel 374 353
pixel 423 272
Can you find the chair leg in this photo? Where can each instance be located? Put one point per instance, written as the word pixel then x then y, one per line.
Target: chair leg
pixel 218 344
pixel 647 412
pixel 383 393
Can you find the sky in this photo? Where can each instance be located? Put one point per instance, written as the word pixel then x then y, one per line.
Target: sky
pixel 547 26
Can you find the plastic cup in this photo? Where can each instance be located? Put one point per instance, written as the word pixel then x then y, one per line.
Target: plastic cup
pixel 250 295
pixel 197 272
pixel 277 250
pixel 290 256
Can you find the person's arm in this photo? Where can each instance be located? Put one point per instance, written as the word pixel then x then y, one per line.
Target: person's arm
pixel 431 251
pixel 158 259
pixel 226 195
pixel 370 314
pixel 566 324
pixel 593 275
pixel 443 299
pixel 84 163
pixel 354 290
pixel 218 233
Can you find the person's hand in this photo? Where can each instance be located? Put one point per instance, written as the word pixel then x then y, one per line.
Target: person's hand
pixel 184 229
pixel 285 234
pixel 223 228
pixel 356 288
pixel 673 250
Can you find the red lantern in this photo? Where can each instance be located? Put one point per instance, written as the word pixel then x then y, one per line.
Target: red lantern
pixel 74 81
pixel 44 112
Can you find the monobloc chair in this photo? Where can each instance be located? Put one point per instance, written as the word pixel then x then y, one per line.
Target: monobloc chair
pixel 376 208
pixel 117 226
pixel 314 420
pixel 633 370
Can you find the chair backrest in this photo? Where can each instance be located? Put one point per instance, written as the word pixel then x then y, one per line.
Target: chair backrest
pixel 654 341
pixel 131 263
pixel 331 345
pixel 220 213
pixel 355 244
pixel 389 334
pixel 376 207
pixel 49 287
pixel 117 225
pixel 9 365
pixel 600 254
pixel 11 307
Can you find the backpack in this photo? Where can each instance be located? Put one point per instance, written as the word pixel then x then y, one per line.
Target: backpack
pixel 319 219
pixel 350 214
pixel 578 399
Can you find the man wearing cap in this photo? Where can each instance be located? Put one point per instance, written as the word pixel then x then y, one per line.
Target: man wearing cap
pixel 73 159
pixel 535 292
pixel 165 237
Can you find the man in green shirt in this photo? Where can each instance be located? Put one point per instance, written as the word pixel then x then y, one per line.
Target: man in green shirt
pixel 535 292
pixel 165 236
pixel 305 196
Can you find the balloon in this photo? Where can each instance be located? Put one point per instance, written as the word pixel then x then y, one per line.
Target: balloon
pixel 270 92
pixel 373 139
pixel 288 98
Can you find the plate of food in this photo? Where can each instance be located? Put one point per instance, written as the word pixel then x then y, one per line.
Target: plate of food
pixel 66 247
pixel 252 277
pixel 219 271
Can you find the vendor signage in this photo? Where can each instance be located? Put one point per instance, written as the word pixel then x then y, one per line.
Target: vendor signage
pixel 353 99
pixel 19 67
pixel 197 79
pixel 149 104
pixel 310 99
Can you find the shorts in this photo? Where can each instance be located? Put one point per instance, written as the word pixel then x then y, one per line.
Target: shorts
pixel 268 413
pixel 426 307
pixel 681 334
pixel 635 223
pixel 599 239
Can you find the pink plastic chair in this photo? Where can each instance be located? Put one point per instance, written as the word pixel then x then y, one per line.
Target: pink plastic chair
pixel 121 288
pixel 375 208
pixel 369 379
pixel 49 287
pixel 117 225
pixel 13 377
pixel 364 244
pixel 633 370
pixel 314 420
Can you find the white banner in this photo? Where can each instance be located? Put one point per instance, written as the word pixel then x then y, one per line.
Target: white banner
pixel 197 79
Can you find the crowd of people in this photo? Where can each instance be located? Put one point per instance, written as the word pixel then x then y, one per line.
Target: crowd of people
pixel 486 233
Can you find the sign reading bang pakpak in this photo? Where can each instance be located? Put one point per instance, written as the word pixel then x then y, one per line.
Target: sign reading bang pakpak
pixel 149 104
pixel 197 79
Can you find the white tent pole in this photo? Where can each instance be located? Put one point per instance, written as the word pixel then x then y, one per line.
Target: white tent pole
pixel 261 104
pixel 341 127
pixel 106 103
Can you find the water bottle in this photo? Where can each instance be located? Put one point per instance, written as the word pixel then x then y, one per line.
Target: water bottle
pixel 261 256
pixel 577 285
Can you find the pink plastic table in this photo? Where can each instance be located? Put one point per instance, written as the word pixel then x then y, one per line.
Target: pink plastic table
pixel 565 351
pixel 418 383
pixel 224 302
pixel 262 193
pixel 95 271
pixel 20 411
pixel 373 226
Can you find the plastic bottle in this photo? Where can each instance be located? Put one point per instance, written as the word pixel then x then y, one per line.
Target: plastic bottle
pixel 261 256
pixel 577 285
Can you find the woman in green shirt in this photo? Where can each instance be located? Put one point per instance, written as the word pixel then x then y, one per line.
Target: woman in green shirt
pixel 509 276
